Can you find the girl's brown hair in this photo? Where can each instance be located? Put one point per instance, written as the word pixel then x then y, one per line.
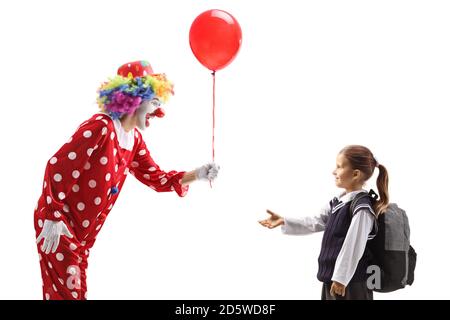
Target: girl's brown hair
pixel 362 159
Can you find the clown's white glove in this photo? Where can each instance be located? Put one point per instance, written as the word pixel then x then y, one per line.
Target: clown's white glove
pixel 207 172
pixel 51 231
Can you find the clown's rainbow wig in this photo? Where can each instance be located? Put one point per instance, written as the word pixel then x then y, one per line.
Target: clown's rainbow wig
pixel 123 95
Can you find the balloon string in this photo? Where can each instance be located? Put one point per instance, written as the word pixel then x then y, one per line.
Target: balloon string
pixel 213 117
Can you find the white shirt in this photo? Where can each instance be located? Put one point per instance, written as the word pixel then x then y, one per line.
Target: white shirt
pixel 126 139
pixel 355 241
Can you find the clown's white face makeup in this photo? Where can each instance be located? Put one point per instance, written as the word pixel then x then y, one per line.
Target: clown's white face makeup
pixel 146 112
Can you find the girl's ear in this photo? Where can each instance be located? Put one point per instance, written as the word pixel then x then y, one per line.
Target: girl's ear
pixel 357 175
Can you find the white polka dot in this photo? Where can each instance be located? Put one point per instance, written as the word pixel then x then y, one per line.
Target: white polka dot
pixel 105 121
pixel 98 227
pixel 87 166
pixel 40 223
pixel 116 168
pixel 71 224
pixel 136 134
pixel 89 151
pixel 103 160
pixel 57 214
pixel 97 200
pixel 47 296
pixel 161 176
pixel 72 246
pixel 40 257
pixel 66 208
pixel 50 265
pixel 53 160
pixel 99 118
pixel 92 183
pixel 125 172
pixel 108 192
pixel 75 188
pixel 86 252
pixel 147 176
pixel 80 206
pixel 172 188
pixel 57 177
pixel 135 164
pixel 152 187
pixel 61 281
pixel 46 273
pixel 87 134
pixel 70 140
pixel 142 152
pixel 112 135
pixel 72 155
pixel 110 207
pixel 59 257
pixel 75 174
pixel 54 288
pixel 83 243
pixel 74 294
pixel 108 176
pixel 163 181
pixel 61 195
pixel 104 131
pixel 151 169
pixel 80 259
pixel 115 152
pixel 49 200
pixel 45 184
pixel 85 223
pixel 72 271
pixel 95 147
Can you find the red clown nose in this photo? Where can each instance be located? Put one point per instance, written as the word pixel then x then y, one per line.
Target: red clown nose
pixel 159 113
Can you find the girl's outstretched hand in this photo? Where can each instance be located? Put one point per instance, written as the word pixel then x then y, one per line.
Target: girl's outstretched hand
pixel 273 221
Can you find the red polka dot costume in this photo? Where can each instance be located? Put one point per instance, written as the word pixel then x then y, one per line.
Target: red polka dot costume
pixel 81 184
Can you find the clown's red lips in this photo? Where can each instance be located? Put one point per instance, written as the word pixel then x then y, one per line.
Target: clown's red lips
pixel 147 117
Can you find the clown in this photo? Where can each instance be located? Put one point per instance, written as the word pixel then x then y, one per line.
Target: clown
pixel 84 178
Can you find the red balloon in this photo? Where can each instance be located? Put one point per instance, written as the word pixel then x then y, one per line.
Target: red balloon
pixel 215 38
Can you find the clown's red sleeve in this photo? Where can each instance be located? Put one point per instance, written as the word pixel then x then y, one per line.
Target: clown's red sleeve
pixel 67 165
pixel 144 168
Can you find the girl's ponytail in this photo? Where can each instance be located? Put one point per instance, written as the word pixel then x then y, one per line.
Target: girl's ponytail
pixel 382 186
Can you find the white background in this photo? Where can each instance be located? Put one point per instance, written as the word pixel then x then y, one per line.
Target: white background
pixel 310 78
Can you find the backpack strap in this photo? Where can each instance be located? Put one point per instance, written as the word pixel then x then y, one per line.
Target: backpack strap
pixel 354 206
pixel 371 195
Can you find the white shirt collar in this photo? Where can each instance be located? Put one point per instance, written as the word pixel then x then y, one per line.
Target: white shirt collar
pixel 346 197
